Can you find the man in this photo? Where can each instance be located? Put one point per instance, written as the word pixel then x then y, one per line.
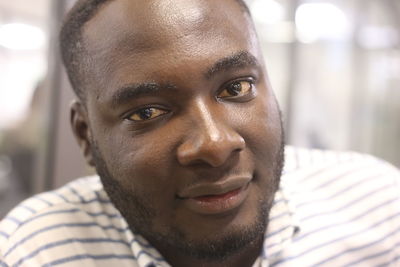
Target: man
pixel 176 113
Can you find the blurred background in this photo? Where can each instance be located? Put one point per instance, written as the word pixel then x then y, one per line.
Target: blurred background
pixel 334 65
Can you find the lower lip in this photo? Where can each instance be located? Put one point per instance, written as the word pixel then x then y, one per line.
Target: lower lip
pixel 217 204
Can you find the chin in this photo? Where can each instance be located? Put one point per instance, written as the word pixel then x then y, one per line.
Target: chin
pixel 218 238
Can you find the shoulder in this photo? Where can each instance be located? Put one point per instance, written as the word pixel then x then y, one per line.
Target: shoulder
pixel 316 165
pixel 325 184
pixel 340 176
pixel 347 205
pixel 66 200
pixel 81 209
pixel 332 189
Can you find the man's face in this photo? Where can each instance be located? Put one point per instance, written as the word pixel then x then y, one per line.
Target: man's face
pixel 185 131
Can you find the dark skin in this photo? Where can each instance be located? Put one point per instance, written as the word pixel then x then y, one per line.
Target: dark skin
pixel 179 99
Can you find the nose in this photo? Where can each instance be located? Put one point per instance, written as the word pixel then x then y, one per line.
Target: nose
pixel 210 139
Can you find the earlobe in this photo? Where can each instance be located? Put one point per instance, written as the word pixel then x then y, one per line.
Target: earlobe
pixel 81 129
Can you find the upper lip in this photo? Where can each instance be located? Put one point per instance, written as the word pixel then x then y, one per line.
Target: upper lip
pixel 222 187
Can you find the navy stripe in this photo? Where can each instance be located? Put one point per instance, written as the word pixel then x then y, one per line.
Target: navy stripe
pixel 76 193
pixel 318 173
pixel 376 255
pixel 346 222
pixel 20 242
pixel 143 252
pixel 270 246
pixel 103 201
pixel 347 205
pixel 277 217
pixel 67 241
pixel 264 254
pixel 81 199
pixel 276 202
pixel 394 260
pixel 3 264
pixel 27 208
pixel 43 200
pixel 60 196
pixel 97 194
pixel 89 256
pixel 278 243
pixel 98 214
pixel 49 213
pixel 279 231
pixel 4 234
pixel 339 193
pixel 92 214
pixel 337 178
pixel 141 243
pixel 370 244
pixel 335 240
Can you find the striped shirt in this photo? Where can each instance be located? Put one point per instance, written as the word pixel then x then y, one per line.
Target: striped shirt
pixel 332 209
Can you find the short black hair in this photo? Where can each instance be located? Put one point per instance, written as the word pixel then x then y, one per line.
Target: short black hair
pixel 71 42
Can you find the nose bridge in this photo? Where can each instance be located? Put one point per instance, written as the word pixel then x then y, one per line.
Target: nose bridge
pixel 210 139
pixel 206 122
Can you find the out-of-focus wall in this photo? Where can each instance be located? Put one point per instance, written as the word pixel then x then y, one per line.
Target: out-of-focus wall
pixel 334 65
pixel 37 148
pixel 24 35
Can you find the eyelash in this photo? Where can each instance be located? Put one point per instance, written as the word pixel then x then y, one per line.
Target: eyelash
pixel 250 80
pixel 131 114
pixel 164 111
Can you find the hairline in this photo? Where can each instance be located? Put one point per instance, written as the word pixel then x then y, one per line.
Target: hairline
pixel 75 60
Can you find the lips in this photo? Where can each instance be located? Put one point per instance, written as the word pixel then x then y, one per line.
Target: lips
pixel 211 198
pixel 216 198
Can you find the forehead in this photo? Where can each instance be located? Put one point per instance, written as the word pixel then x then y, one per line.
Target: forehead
pixel 144 37
pixel 147 19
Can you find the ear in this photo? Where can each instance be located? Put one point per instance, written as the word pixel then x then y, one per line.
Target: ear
pixel 81 129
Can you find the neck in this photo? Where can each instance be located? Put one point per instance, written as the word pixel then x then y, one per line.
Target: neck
pixel 242 258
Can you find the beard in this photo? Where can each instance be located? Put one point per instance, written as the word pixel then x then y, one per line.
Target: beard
pixel 140 215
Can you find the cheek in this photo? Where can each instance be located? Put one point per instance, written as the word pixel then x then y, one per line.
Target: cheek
pixel 264 142
pixel 141 164
pixel 263 130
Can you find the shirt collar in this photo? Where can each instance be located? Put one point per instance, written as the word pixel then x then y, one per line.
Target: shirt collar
pixel 283 226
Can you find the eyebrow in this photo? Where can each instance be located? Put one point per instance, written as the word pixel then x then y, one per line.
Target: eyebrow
pixel 131 91
pixel 238 60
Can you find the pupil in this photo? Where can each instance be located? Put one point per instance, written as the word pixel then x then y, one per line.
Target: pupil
pixel 146 113
pixel 235 88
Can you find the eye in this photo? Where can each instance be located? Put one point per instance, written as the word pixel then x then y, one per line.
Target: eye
pixel 145 114
pixel 236 89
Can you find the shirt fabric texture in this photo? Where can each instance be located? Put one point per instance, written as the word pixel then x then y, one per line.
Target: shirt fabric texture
pixel 332 209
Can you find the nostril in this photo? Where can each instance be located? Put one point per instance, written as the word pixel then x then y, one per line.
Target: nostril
pixel 238 150
pixel 210 153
